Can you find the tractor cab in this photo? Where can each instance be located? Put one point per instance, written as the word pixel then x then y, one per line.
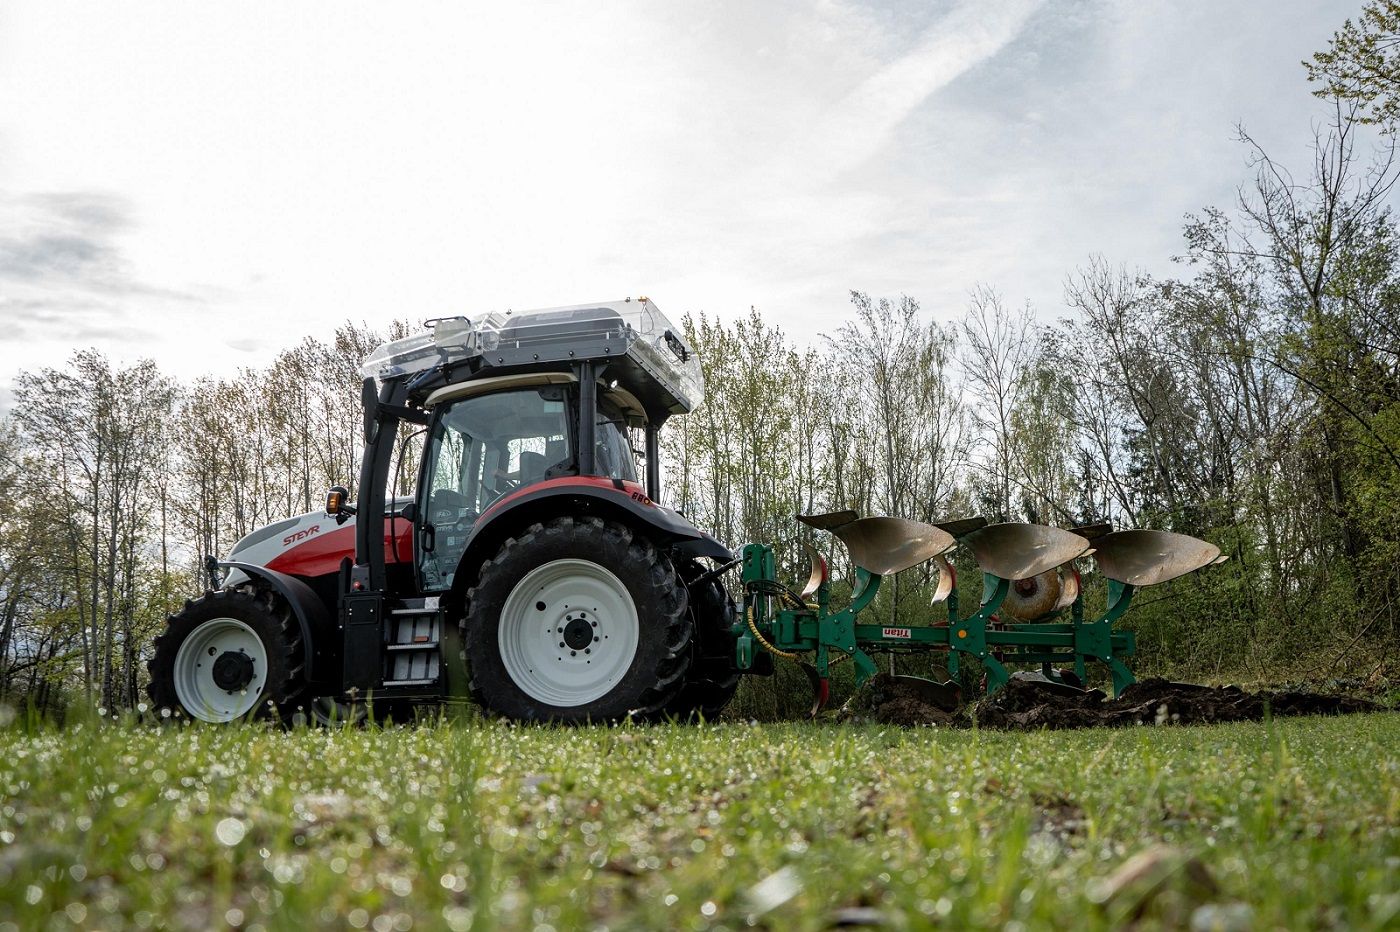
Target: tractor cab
pixel 555 399
pixel 487 445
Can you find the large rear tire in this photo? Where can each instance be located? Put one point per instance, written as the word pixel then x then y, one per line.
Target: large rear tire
pixel 228 655
pixel 576 621
pixel 711 681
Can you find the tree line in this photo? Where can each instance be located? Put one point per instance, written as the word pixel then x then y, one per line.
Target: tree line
pixel 1253 399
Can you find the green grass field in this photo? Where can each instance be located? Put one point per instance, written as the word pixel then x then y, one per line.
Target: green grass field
pixel 1292 824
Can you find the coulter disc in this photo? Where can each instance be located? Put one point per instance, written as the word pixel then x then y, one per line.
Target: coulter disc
pixel 1034 596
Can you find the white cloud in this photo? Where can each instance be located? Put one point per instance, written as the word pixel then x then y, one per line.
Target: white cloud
pixel 282 167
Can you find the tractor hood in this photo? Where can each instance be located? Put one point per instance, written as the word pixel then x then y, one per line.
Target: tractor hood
pixel 313 544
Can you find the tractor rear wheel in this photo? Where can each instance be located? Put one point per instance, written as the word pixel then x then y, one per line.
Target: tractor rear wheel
pixel 711 681
pixel 230 654
pixel 576 621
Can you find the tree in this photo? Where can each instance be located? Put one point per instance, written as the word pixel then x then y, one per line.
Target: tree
pixel 1361 65
pixel 997 352
pixel 95 434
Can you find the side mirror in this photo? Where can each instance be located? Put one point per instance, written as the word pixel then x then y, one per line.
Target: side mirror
pixel 409 512
pixel 369 401
pixel 338 503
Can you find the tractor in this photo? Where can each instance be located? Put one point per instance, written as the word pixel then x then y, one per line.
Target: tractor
pixel 535 571
pixel 534 549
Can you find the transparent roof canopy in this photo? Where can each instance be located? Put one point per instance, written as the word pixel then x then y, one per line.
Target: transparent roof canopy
pixel 635 328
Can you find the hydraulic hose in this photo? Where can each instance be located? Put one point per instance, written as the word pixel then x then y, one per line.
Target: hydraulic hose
pixel 762 641
pixel 778 652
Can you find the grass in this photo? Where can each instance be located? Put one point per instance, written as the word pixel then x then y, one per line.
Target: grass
pixel 474 825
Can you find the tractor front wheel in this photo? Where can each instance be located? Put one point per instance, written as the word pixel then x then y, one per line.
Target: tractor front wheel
pixel 230 654
pixel 576 621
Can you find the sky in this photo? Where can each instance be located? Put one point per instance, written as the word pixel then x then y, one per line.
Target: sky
pixel 205 184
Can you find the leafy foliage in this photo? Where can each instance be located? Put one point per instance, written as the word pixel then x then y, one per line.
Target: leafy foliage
pixel 1362 63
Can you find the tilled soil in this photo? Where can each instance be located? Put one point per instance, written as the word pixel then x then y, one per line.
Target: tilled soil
pixel 1030 703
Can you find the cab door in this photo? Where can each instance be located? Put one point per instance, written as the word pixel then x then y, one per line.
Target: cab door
pixel 480 449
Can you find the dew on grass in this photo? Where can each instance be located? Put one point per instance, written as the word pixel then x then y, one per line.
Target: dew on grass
pixel 230 831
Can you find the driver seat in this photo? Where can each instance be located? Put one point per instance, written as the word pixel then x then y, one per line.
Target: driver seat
pixel 531 468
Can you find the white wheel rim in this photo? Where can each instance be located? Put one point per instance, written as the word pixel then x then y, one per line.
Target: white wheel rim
pixel 577 596
pixel 195 687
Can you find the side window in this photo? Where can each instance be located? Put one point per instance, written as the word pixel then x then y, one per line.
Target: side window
pixel 613 452
pixel 450 465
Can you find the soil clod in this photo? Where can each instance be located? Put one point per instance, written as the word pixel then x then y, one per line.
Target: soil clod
pixel 1026 703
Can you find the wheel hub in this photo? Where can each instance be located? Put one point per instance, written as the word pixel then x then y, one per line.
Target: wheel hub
pixel 578 632
pixel 233 670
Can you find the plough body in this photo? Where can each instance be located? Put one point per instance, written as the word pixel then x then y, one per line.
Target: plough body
pixel 1007 627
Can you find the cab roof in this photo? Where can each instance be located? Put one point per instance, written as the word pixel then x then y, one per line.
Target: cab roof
pixel 642 351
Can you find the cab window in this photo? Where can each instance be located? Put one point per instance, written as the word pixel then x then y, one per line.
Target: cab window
pixel 481 449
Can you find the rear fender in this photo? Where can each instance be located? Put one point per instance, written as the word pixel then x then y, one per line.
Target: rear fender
pixel 320 638
pixel 588 497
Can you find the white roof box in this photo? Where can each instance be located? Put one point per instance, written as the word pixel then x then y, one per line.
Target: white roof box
pixel 634 328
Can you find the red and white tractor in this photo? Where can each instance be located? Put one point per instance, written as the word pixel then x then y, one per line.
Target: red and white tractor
pixel 533 550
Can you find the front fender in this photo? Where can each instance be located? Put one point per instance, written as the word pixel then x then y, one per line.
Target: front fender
pixel 319 635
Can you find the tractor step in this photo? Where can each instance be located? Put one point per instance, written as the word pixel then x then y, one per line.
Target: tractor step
pixel 412 640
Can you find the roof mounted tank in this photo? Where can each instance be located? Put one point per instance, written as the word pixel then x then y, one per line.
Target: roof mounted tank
pixel 633 330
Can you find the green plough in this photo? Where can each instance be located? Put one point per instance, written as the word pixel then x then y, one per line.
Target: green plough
pixel 1031 609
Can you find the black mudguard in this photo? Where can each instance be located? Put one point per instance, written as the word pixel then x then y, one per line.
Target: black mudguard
pixel 704 546
pixel 320 638
pixel 588 497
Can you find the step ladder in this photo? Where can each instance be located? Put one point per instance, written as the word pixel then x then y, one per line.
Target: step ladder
pixel 413 643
